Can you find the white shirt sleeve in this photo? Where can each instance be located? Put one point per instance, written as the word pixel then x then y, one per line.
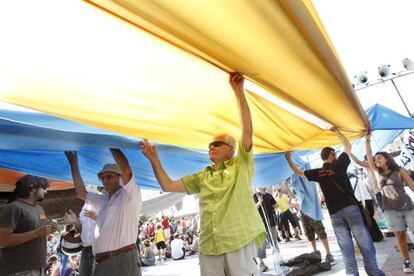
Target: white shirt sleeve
pixel 133 192
pixel 132 188
pixel 95 200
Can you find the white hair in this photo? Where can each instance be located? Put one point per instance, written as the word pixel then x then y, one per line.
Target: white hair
pixel 230 140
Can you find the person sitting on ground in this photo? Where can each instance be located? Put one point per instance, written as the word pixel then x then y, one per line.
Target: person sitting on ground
pixel 52 261
pixel 177 248
pixel 194 246
pixel 189 237
pixel 168 249
pixel 147 254
pixel 160 242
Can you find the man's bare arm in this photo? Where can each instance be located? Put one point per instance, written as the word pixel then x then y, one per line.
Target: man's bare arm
pixel 292 165
pixel 122 161
pixel 150 151
pixel 72 157
pixel 236 82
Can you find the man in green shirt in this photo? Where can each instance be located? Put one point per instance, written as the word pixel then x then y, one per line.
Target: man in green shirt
pixel 230 224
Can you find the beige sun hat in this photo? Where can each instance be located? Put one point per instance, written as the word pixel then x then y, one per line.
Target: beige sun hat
pixel 110 167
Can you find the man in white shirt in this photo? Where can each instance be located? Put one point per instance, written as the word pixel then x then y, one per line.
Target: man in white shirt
pixel 177 248
pixel 119 206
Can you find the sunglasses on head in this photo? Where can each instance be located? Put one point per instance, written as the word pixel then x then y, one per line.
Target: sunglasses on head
pixel 217 144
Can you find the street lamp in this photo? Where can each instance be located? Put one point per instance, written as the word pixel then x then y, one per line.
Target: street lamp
pixel 361 80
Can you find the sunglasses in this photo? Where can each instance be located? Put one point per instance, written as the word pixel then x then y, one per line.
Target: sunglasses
pixel 217 144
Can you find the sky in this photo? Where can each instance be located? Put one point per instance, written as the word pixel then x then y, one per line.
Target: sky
pixel 370 33
pixel 367 34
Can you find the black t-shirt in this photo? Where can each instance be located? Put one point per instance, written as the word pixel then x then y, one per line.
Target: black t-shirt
pixel 335 199
pixel 268 204
pixel 22 217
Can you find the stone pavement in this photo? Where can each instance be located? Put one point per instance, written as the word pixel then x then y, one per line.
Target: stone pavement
pixel 387 256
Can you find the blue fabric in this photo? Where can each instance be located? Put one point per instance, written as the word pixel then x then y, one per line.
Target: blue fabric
pixel 383 118
pixel 32 148
pixel 34 143
pixel 308 196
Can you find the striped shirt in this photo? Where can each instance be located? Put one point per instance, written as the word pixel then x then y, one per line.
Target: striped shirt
pixel 229 217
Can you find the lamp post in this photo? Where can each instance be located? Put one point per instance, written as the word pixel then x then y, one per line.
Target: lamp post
pixel 361 80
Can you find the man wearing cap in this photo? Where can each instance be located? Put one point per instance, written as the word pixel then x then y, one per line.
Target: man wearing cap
pixel 24 228
pixel 118 211
pixel 230 224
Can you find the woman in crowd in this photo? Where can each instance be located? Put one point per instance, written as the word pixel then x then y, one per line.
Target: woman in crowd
pixel 398 206
pixel 147 254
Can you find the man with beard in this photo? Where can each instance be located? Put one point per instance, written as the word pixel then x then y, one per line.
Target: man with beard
pixel 23 229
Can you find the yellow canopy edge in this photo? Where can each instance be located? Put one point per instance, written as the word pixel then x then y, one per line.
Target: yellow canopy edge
pixel 280 45
pixel 105 72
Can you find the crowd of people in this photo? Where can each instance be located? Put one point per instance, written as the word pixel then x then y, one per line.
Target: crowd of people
pixel 168 239
pixel 234 222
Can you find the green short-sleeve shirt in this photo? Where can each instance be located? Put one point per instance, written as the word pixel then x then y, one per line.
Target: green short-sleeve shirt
pixel 229 217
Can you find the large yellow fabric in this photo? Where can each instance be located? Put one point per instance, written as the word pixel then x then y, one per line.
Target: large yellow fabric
pixel 281 45
pixel 73 60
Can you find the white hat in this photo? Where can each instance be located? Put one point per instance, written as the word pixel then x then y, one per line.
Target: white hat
pixel 110 168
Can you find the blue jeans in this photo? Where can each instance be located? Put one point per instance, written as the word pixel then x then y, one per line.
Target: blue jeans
pixel 347 221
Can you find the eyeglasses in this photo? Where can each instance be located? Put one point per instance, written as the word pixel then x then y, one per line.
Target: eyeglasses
pixel 217 144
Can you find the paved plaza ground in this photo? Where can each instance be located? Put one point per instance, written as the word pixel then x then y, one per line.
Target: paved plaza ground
pixel 387 256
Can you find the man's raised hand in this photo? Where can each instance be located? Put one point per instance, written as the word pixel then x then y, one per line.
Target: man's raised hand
pixel 149 150
pixel 72 156
pixel 237 82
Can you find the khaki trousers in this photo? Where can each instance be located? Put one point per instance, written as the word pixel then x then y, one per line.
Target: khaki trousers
pixel 237 263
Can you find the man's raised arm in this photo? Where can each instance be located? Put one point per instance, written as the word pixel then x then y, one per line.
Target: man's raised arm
pixel 348 149
pixel 72 157
pixel 344 141
pixel 369 152
pixel 150 151
pixel 236 82
pixel 292 165
pixel 122 161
